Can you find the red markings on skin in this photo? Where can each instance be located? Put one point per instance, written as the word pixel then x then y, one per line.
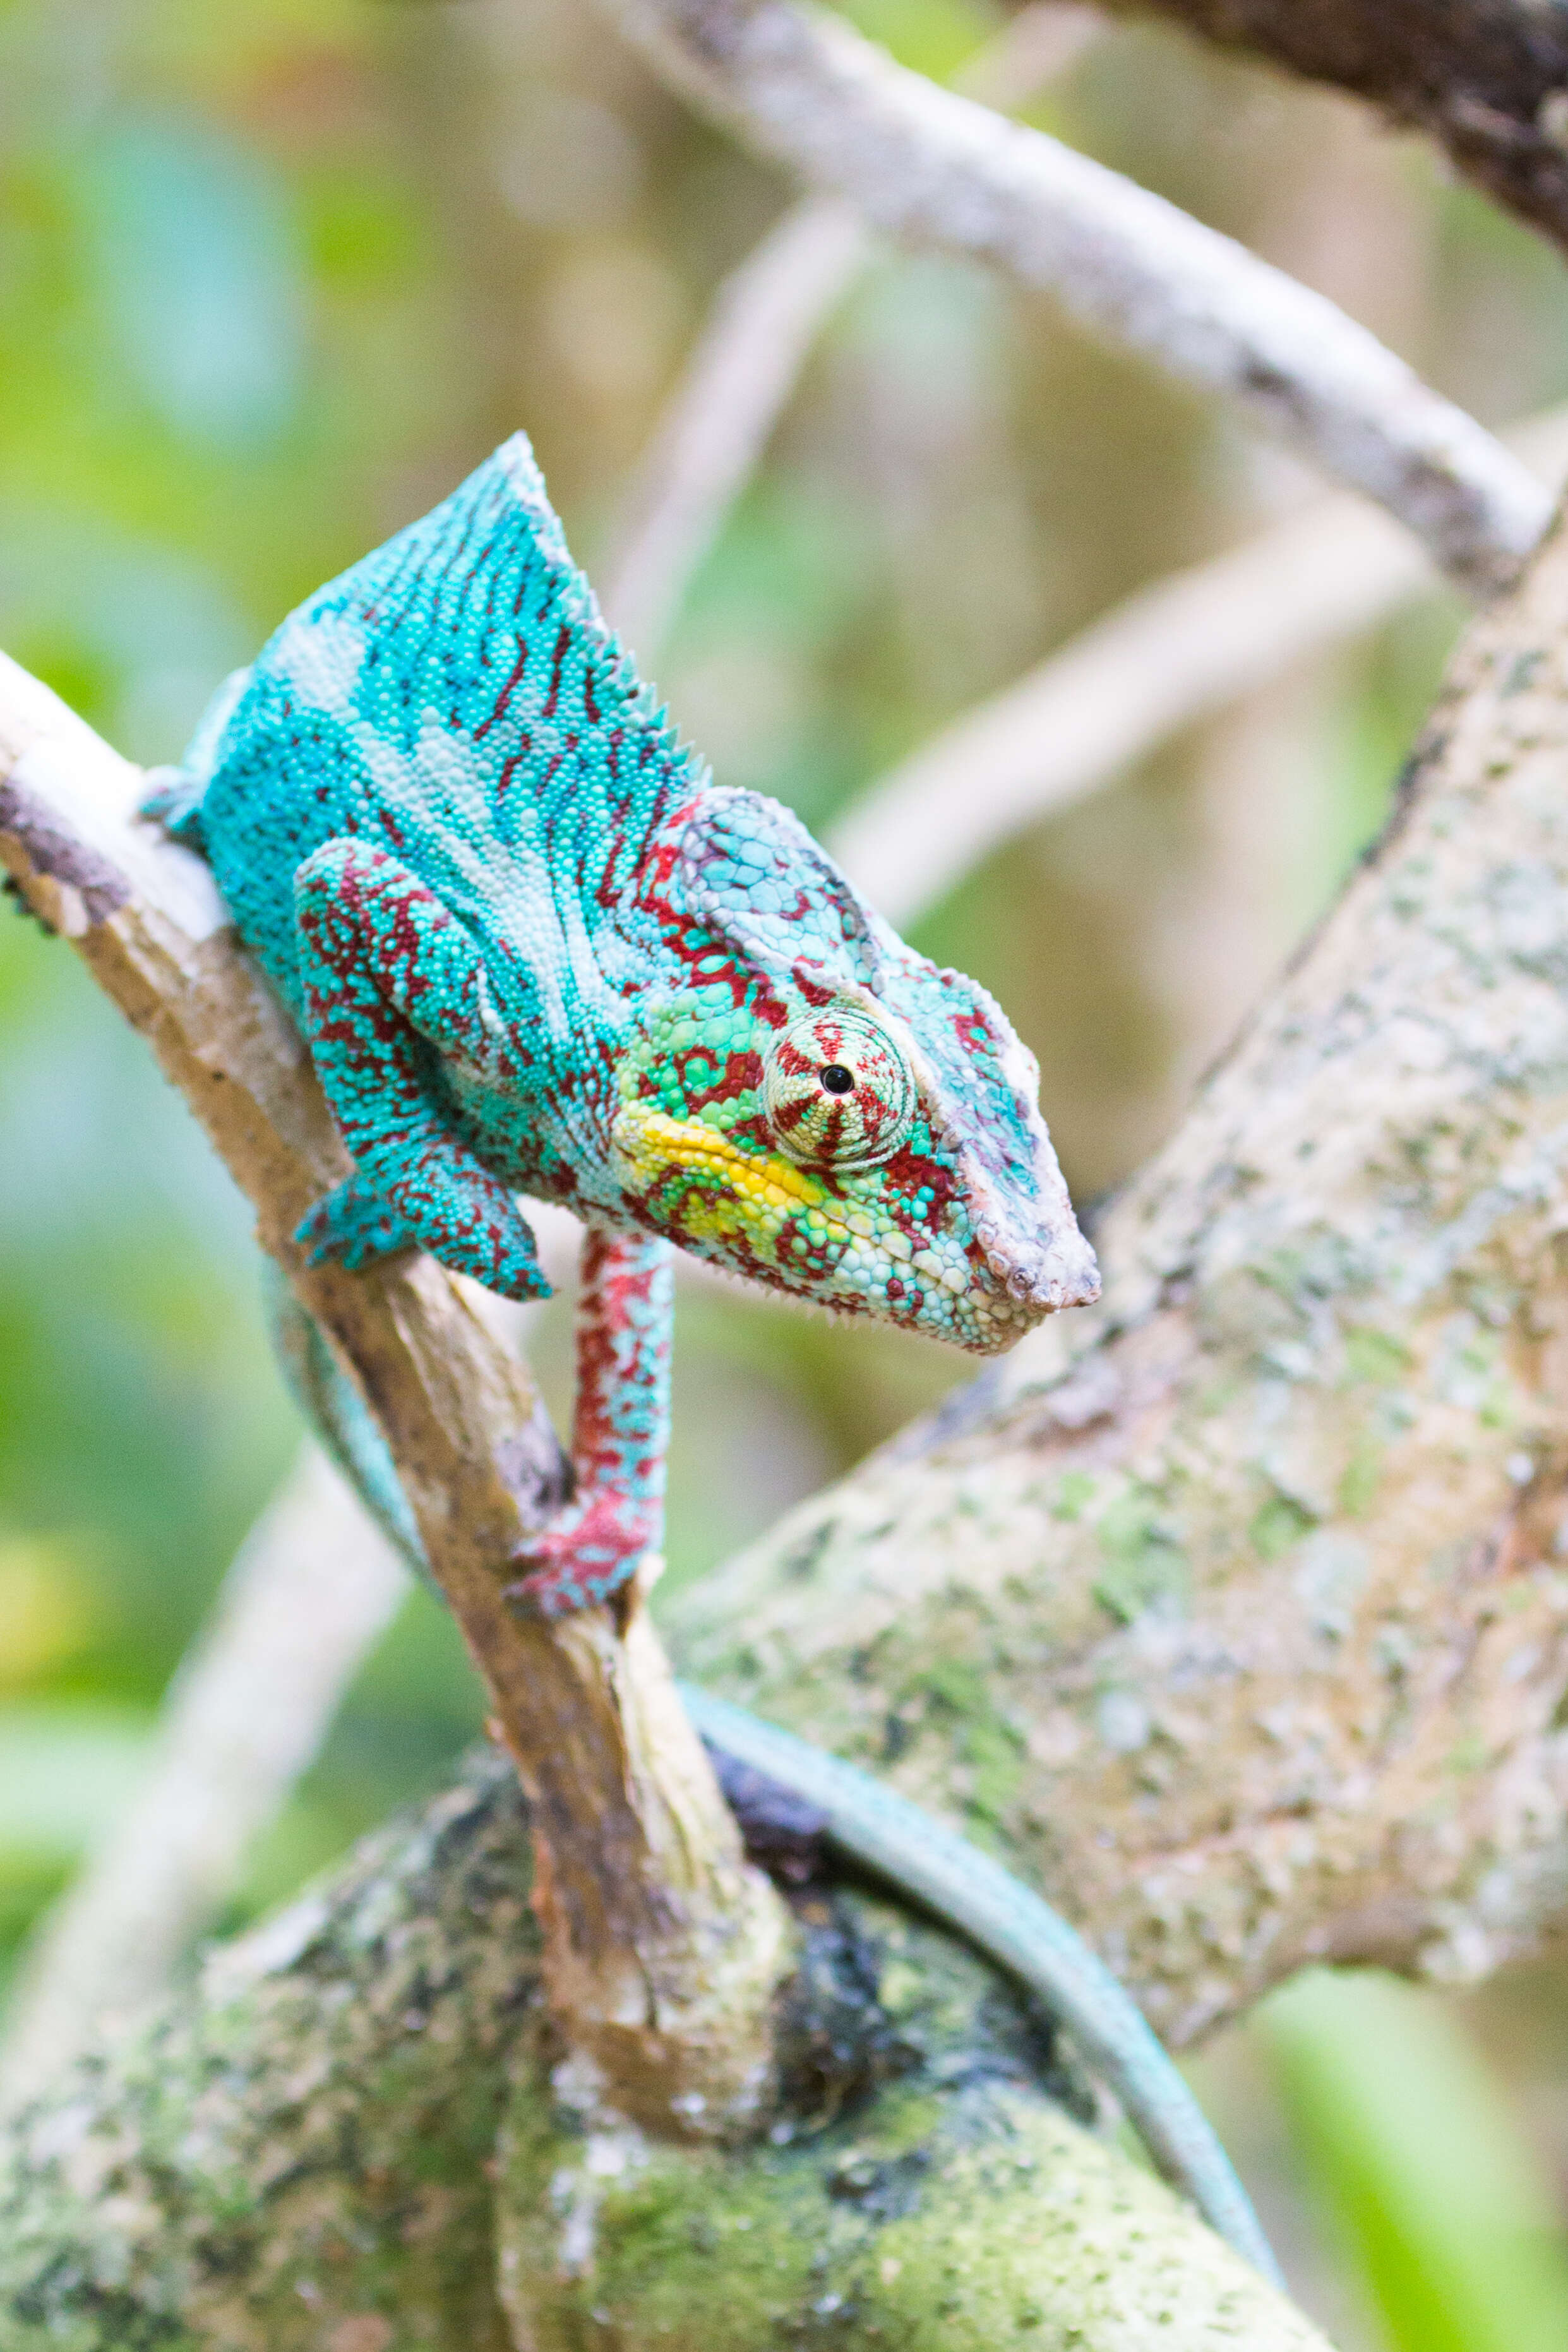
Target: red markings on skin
pixel 563 647
pixel 519 664
pixel 817 993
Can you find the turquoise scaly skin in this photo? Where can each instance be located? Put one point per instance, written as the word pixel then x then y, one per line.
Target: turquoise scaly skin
pixel 535 948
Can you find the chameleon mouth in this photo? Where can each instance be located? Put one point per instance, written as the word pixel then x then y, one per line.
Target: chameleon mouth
pixel 653 1142
pixel 1036 1257
pixel 985 1295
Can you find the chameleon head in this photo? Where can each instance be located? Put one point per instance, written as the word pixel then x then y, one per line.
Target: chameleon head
pixel 810 1103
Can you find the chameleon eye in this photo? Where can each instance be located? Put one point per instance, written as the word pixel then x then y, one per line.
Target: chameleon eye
pixel 837 1091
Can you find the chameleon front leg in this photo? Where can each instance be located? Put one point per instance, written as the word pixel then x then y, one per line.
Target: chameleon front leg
pixel 620 1428
pixel 389 978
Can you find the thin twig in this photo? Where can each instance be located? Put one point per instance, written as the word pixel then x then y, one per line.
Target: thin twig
pixel 745 364
pixel 933 167
pixel 765 318
pixel 1172 654
pixel 309 1592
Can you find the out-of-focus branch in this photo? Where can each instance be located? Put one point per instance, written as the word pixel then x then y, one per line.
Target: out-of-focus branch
pixel 1488 79
pixel 662 1948
pixel 935 167
pixel 311 1591
pixel 765 319
pixel 1170 655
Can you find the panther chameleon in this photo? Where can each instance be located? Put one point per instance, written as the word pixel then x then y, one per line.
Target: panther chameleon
pixel 536 949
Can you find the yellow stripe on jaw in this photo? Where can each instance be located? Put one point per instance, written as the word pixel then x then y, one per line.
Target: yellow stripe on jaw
pixel 651 1140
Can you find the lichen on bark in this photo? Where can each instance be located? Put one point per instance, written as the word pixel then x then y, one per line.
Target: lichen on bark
pixel 357 2133
pixel 295 2153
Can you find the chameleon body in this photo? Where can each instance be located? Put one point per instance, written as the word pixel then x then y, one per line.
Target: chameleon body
pixel 534 948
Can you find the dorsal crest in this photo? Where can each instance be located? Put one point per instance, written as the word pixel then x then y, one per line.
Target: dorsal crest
pixel 477 618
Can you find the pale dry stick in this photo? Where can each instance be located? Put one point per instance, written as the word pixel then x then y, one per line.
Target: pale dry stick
pixel 309 1592
pixel 1172 654
pixel 662 1948
pixel 1169 656
pixel 645 1916
pixel 765 319
pixel 936 169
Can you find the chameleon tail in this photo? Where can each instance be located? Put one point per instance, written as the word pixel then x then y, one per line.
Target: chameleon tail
pixel 868 1824
pixel 334 1409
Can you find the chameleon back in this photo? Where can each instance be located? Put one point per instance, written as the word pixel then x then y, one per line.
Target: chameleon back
pixel 500 744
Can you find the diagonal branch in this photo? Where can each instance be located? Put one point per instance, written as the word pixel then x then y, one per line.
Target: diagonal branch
pixel 765 319
pixel 1169 654
pixel 309 1592
pixel 662 1948
pixel 938 169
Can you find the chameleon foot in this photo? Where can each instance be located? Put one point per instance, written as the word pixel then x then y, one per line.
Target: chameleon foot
pixel 620 1429
pixel 351 1225
pixel 585 1558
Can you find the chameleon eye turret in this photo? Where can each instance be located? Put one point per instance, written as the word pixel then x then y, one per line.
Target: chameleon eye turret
pixel 837 1092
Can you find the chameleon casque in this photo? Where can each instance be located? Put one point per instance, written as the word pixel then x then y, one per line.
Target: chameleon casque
pixel 535 948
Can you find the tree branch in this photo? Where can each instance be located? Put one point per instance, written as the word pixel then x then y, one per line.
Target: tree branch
pixel 1169 654
pixel 664 1949
pixel 1235 1614
pixel 928 164
pixel 346 2135
pixel 1487 79
pixel 745 364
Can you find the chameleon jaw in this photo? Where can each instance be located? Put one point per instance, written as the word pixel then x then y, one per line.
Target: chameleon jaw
pixel 739 1208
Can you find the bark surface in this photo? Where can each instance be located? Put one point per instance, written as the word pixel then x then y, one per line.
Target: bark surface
pixel 662 1948
pixel 346 2140
pixel 1236 1614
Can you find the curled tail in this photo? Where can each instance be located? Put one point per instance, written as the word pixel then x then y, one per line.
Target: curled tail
pixel 920 1858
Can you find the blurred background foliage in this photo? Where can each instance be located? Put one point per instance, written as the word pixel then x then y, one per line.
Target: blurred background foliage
pixel 273 275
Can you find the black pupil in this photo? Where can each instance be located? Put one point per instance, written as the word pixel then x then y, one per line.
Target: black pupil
pixel 837 1079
